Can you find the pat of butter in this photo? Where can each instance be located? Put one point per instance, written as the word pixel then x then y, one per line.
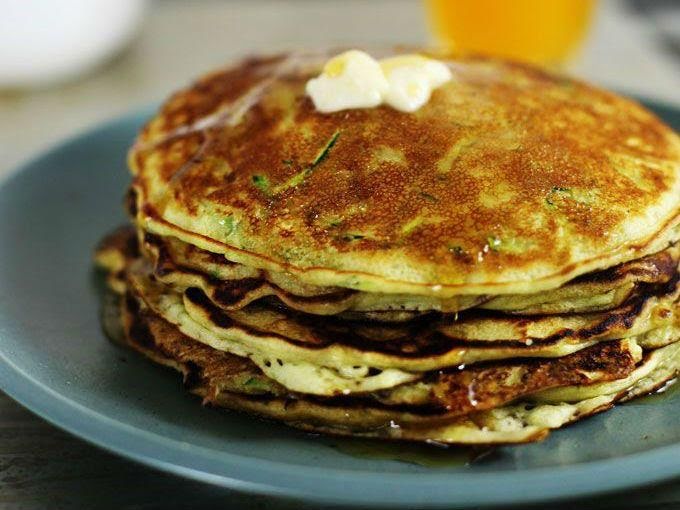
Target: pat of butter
pixel 353 79
pixel 356 80
pixel 412 79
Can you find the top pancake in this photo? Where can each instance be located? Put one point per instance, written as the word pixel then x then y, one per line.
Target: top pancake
pixel 509 180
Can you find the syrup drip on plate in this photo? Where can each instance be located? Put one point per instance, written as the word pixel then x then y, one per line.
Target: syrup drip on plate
pixel 433 455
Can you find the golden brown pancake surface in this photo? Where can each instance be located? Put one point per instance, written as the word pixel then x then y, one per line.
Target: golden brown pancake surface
pixel 509 179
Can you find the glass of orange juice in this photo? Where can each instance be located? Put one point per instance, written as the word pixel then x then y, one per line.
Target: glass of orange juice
pixel 541 31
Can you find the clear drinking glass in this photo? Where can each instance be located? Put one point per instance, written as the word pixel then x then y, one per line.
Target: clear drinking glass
pixel 540 31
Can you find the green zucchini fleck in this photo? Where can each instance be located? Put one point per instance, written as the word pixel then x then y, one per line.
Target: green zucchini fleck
pixel 411 225
pixel 255 383
pixel 228 225
pixel 429 197
pixel 261 182
pixel 348 236
pixel 323 153
pixel 299 177
pixel 494 243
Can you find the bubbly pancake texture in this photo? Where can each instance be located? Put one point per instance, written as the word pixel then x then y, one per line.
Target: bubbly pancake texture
pixel 509 180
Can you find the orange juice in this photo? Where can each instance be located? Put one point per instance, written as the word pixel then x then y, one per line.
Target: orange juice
pixel 543 31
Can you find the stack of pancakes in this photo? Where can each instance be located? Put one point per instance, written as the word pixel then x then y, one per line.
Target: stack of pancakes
pixel 501 262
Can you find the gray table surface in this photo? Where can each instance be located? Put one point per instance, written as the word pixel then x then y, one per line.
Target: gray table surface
pixel 43 467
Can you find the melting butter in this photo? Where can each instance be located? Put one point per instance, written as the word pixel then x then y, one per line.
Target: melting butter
pixel 412 78
pixel 354 79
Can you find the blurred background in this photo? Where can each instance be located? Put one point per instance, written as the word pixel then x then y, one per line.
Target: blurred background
pixel 67 64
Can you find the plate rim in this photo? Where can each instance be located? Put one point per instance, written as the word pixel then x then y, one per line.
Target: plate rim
pixel 305 482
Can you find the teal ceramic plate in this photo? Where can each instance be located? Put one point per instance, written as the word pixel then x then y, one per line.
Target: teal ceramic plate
pixel 55 360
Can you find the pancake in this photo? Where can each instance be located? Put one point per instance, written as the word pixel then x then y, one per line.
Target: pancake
pixel 114 253
pixel 326 356
pixel 231 381
pixel 443 394
pixel 423 346
pixel 356 358
pixel 509 180
pixel 232 286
